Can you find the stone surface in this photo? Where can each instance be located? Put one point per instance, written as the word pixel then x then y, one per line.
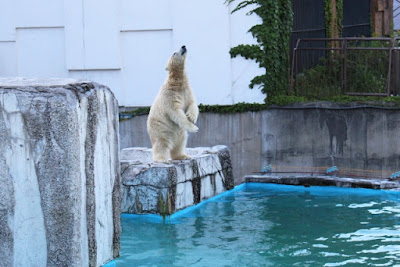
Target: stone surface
pixel 293 138
pixel 59 173
pixel 163 188
pixel 322 180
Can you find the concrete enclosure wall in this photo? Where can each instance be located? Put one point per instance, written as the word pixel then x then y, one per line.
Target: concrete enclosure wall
pixel 295 138
pixel 125 44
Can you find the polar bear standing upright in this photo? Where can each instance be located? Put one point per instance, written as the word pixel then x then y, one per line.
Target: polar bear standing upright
pixel 173 113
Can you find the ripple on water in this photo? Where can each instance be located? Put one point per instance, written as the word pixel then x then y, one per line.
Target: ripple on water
pixel 342 263
pixel 382 234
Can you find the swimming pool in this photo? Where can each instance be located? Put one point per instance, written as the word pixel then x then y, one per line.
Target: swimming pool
pixel 270 225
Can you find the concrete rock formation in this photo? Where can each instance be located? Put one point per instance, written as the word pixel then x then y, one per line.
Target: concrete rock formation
pixel 59 173
pixel 164 188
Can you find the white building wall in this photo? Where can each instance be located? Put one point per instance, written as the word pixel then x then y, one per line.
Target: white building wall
pixel 125 44
pixel 41 52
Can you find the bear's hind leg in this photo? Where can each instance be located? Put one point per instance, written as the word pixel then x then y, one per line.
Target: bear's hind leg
pixel 178 151
pixel 160 152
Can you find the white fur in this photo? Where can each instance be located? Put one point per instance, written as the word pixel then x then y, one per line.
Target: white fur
pixel 173 113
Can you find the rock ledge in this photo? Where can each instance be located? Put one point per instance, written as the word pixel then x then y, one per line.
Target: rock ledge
pixel 164 188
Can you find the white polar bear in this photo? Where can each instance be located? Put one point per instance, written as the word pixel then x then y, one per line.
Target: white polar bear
pixel 173 113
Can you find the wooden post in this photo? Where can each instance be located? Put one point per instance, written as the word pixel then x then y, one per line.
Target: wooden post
pixel 334 26
pixel 382 17
pixel 334 30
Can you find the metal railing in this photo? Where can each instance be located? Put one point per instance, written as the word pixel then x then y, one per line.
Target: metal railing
pixel 352 66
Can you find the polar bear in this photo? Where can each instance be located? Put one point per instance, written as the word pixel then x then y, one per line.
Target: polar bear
pixel 174 112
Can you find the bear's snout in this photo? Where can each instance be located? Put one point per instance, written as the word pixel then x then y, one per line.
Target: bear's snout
pixel 183 50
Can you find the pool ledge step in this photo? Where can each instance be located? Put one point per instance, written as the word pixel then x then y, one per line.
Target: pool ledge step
pixel 323 180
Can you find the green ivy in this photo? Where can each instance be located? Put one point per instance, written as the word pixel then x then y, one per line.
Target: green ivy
pixel 328 17
pixel 285 100
pixel 126 115
pixel 272 50
pixel 339 16
pixel 370 100
pixel 237 108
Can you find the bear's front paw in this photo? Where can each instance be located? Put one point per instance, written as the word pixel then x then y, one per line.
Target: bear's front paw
pixel 193 128
pixel 192 113
pixel 192 117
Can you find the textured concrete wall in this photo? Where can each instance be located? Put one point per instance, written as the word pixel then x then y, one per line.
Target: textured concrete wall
pixel 59 173
pixel 296 137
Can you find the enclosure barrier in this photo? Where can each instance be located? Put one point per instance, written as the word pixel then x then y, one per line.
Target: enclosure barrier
pixel 351 66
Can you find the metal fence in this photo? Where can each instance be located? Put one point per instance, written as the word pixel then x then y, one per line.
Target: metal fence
pixel 354 66
pixel 309 19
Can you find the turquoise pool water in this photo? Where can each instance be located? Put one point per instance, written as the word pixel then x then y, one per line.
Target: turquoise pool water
pixel 271 225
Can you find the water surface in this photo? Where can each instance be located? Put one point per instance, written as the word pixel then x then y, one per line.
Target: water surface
pixel 271 225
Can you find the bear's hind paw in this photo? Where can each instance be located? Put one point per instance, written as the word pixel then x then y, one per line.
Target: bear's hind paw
pixel 161 160
pixel 181 157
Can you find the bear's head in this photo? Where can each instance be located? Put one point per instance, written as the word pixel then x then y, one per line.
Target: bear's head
pixel 176 63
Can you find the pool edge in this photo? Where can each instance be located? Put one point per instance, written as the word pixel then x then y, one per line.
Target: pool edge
pixel 323 180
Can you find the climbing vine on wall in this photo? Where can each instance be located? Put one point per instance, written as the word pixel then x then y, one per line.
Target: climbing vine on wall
pixel 272 49
pixel 333 18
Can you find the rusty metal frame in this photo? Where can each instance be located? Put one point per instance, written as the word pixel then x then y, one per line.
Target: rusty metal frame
pixel 396 48
pixel 343 48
